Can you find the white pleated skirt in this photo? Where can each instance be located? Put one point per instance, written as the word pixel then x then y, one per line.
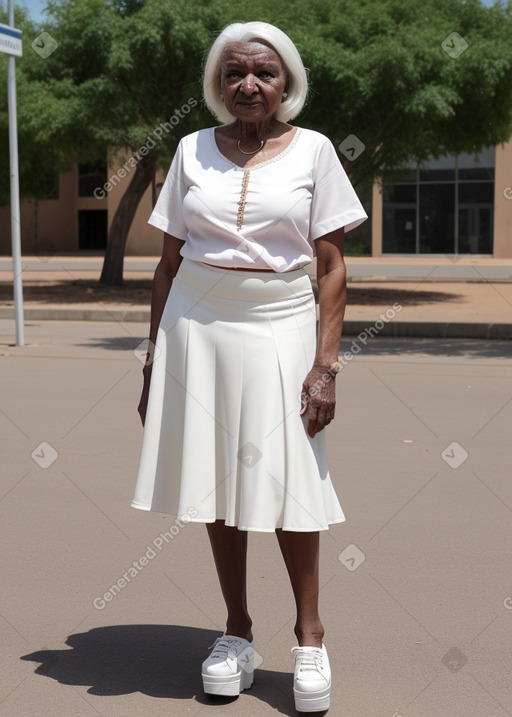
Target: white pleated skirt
pixel 223 437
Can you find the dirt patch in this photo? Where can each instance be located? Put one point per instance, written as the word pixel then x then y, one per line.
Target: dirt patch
pixel 134 292
pixel 137 292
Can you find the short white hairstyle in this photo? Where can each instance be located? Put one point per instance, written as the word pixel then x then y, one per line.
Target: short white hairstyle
pixel 269 35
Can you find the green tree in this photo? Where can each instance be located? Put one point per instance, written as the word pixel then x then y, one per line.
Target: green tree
pixel 39 160
pixel 394 77
pixel 121 70
pixel 389 72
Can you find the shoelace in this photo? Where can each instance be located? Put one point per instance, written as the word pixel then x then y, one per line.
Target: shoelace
pixel 221 648
pixel 310 660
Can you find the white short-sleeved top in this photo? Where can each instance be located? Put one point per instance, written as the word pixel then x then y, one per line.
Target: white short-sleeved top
pixel 264 216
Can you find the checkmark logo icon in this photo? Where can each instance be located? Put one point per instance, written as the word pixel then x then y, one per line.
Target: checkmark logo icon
pixel 44 44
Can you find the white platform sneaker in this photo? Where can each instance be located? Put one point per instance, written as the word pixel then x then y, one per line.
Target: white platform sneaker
pixel 312 679
pixel 230 667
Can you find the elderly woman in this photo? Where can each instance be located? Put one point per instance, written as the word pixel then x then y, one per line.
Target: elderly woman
pixel 237 386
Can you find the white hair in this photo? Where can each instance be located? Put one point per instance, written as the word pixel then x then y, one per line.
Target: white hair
pixel 297 88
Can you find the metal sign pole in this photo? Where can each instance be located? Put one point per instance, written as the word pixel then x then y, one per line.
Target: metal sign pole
pixel 15 195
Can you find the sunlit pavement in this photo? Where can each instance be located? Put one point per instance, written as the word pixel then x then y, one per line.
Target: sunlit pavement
pixel 398 297
pixel 416 594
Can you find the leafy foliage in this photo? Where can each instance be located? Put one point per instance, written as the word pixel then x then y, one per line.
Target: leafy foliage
pixel 377 68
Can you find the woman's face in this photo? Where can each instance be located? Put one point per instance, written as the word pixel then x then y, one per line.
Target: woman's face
pixel 252 81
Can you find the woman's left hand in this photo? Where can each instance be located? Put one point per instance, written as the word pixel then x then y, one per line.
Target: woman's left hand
pixel 318 398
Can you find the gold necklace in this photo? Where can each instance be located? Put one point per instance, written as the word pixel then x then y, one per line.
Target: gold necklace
pixel 256 150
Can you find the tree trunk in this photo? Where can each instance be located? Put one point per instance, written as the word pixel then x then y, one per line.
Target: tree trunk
pixel 112 272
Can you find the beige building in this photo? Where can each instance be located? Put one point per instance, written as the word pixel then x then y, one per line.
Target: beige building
pixel 454 205
pixel 78 217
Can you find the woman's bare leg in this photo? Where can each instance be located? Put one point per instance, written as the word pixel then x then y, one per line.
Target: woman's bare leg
pixel 301 555
pixel 229 546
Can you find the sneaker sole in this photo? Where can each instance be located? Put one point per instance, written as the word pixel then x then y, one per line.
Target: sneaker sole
pixel 312 701
pixel 227 686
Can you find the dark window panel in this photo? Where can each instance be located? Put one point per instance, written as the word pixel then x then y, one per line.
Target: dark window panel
pixel 437 175
pixel 90 176
pixel 472 173
pixel 400 194
pixel 399 175
pixel 476 218
pixel 92 228
pixel 399 230
pixel 437 219
pixel 480 193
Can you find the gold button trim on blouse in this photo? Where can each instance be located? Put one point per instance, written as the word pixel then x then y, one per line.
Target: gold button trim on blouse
pixel 241 201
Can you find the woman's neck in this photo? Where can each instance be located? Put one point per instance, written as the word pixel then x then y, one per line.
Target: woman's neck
pixel 256 131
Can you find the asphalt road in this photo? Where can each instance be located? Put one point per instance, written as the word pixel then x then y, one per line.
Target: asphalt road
pixel 416 592
pixel 437 268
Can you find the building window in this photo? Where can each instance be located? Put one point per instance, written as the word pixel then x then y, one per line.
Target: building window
pixel 446 207
pixel 92 228
pixel 90 176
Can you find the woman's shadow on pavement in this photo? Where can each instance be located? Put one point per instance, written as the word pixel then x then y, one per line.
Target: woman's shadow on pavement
pixel 156 660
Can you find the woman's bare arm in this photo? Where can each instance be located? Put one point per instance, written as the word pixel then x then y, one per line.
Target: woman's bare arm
pixel 319 385
pixel 165 272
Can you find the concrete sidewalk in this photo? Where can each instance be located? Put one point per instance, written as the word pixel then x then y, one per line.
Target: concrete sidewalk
pixel 434 268
pixel 415 592
pixel 399 297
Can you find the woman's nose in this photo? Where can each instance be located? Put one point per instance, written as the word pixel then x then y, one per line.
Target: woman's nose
pixel 249 85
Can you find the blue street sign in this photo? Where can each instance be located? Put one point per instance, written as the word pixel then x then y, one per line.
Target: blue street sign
pixel 10 40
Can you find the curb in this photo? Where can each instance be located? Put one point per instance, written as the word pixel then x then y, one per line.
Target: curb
pixel 433 330
pixel 114 315
pixel 394 329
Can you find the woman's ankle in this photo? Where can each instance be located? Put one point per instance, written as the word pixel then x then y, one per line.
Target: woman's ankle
pixel 310 635
pixel 240 629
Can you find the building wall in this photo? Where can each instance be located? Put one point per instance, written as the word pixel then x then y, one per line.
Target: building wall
pixel 502 228
pixel 503 202
pixel 377 206
pixel 143 239
pixel 47 225
pixel 51 225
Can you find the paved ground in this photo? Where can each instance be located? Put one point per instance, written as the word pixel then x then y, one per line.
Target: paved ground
pixel 433 267
pixel 469 298
pixel 416 591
